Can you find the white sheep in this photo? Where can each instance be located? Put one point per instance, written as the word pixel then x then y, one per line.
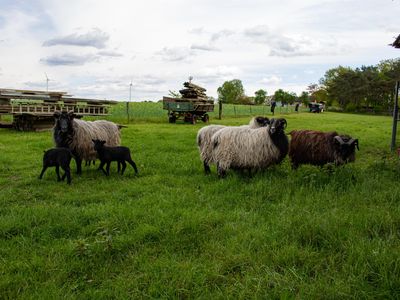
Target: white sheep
pixel 204 139
pixel 246 148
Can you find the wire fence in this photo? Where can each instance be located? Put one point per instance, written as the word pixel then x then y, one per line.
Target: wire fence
pixel 153 111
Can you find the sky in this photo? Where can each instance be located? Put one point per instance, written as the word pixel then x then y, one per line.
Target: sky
pixel 96 49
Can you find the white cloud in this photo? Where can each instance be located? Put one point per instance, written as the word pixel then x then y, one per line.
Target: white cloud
pixel 110 53
pixel 271 80
pixel 203 47
pixel 175 53
pixel 94 38
pixel 198 30
pixel 221 34
pixel 283 45
pixel 68 60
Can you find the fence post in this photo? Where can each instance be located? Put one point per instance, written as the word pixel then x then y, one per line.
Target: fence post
pixel 220 110
pixel 127 111
pixel 395 116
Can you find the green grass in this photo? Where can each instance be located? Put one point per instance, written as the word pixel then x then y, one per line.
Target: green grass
pixel 172 232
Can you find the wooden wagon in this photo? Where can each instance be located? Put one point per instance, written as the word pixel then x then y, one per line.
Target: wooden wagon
pixel 33 110
pixel 194 105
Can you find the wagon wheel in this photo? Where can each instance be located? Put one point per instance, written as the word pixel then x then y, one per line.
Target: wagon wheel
pixel 172 118
pixel 205 118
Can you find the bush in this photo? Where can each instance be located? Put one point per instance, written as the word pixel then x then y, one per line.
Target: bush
pixel 350 107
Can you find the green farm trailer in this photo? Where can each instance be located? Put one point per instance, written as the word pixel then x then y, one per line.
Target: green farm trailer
pixel 33 110
pixel 188 109
pixel 194 105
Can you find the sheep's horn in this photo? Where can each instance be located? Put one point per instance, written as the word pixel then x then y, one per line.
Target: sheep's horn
pixel 339 139
pixel 355 141
pixel 285 122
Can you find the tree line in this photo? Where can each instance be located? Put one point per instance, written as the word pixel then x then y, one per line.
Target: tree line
pixel 365 88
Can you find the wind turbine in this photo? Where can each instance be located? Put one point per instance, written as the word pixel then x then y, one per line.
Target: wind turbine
pixel 47 82
pixel 130 91
pixel 127 103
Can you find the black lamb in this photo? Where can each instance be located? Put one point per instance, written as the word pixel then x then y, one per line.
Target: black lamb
pixel 58 157
pixel 107 154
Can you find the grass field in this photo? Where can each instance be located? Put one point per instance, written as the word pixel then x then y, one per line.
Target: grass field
pixel 172 232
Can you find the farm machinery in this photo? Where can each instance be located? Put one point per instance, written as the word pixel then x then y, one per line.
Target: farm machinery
pixel 33 110
pixel 192 106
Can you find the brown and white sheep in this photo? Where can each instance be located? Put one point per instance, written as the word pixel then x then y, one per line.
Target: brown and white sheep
pixel 77 135
pixel 204 139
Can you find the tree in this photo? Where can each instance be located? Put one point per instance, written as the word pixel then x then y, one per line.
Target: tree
pixel 260 96
pixel 285 97
pixel 304 98
pixel 231 91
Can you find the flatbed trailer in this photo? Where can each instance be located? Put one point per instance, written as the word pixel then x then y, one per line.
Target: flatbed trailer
pixel 33 110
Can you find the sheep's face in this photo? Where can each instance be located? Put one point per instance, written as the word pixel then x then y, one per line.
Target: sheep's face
pixel 345 147
pixel 277 126
pixel 64 120
pixel 97 144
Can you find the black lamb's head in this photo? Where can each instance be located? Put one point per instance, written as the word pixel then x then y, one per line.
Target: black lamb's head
pixel 345 147
pixel 63 120
pixel 262 121
pixel 98 144
pixel 277 126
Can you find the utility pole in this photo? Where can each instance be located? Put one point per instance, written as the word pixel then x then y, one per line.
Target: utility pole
pixel 127 103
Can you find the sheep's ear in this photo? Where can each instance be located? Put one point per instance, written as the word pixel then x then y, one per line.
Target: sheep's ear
pixel 94 141
pixel 71 114
pixel 103 142
pixel 57 114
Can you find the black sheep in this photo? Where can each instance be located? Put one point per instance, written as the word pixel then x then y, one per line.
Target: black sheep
pixel 107 154
pixel 58 157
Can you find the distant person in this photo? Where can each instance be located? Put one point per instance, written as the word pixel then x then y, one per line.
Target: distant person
pixel 273 105
pixel 322 107
pixel 296 107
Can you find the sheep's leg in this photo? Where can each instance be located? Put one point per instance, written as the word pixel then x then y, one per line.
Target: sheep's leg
pixel 108 168
pixel 123 163
pixel 43 170
pixel 119 167
pixel 68 173
pixel 132 163
pixel 78 161
pixel 207 169
pixel 101 167
pixel 58 173
pixel 221 172
pixel 294 166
